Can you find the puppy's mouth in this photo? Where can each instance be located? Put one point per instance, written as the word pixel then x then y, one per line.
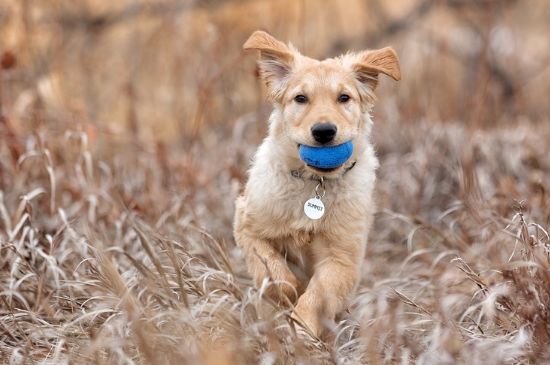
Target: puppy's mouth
pixel 325 160
pixel 320 169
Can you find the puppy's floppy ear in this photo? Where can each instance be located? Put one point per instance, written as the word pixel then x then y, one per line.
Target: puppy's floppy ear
pixel 369 64
pixel 276 60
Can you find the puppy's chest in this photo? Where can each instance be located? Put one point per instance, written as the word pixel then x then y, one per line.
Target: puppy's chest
pixel 285 215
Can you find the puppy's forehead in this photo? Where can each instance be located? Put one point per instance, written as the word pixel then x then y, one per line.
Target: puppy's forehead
pixel 329 73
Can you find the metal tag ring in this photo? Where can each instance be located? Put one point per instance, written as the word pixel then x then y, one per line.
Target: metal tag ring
pixel 322 186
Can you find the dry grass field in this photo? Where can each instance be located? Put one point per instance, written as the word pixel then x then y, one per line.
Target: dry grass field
pixel 126 128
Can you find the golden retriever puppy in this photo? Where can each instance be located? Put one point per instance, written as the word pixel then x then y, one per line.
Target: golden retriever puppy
pixel 302 226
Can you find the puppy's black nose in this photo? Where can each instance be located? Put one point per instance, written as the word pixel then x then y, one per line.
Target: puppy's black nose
pixel 323 132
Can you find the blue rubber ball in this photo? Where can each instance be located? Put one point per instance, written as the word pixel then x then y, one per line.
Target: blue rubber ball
pixel 328 157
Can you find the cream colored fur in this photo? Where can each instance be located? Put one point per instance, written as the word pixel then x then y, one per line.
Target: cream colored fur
pixel 314 263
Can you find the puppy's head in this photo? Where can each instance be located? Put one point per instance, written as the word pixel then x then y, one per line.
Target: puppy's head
pixel 320 102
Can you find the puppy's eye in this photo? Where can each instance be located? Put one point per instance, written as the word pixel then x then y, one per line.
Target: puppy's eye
pixel 300 99
pixel 343 98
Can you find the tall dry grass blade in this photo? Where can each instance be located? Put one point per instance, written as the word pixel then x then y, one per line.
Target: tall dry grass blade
pixel 156 262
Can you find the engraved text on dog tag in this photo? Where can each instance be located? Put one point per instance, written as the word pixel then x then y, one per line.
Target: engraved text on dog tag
pixel 314 208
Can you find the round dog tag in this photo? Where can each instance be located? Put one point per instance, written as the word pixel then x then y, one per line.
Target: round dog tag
pixel 314 208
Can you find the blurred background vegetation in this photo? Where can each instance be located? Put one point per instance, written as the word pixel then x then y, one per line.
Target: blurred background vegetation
pixel 126 128
pixel 174 70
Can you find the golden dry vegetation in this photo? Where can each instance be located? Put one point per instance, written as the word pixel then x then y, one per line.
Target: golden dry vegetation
pixel 126 128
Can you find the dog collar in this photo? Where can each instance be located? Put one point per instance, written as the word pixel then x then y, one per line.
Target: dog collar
pixel 299 173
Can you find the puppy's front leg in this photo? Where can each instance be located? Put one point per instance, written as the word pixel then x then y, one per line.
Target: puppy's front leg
pixel 264 261
pixel 336 274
